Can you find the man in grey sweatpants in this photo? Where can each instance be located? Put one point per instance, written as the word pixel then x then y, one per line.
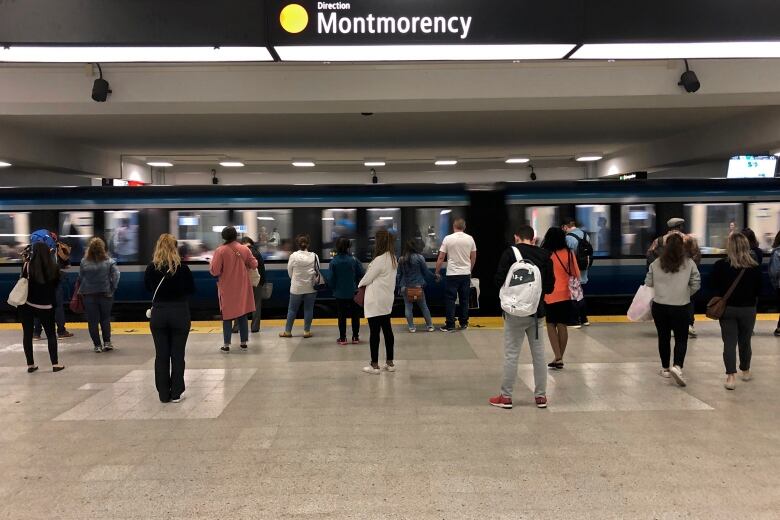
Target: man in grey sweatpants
pixel 517 328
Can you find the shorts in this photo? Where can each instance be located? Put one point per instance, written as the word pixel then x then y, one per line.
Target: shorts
pixel 560 313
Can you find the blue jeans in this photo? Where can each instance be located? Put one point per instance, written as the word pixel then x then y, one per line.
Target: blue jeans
pixel 308 310
pixel 98 307
pixel 457 286
pixel 243 329
pixel 409 310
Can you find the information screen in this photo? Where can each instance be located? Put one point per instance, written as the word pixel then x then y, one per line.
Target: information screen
pixel 752 166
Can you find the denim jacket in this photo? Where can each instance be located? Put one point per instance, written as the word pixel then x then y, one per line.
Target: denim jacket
pixel 414 273
pixel 98 277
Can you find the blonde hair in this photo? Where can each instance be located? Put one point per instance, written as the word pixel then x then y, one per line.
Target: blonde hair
pixel 738 251
pixel 96 250
pixel 166 254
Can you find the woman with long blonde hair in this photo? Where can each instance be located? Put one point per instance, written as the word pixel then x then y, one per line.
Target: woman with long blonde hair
pixel 740 270
pixel 379 282
pixel 98 280
pixel 171 285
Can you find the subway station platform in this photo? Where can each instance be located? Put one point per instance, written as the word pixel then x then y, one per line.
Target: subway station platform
pixel 293 429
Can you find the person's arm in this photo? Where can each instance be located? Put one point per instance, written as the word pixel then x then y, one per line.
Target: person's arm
pixel 548 276
pixel 261 267
pixel 249 259
pixel 694 283
pixel 290 265
pixel 215 268
pixel 695 251
pixel 332 277
pixel 649 276
pixel 439 262
pixel 371 273
pixel 473 257
pixel 113 277
pixel 148 282
pixel 189 281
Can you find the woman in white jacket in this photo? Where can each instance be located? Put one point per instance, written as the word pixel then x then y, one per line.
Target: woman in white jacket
pixel 379 282
pixel 301 268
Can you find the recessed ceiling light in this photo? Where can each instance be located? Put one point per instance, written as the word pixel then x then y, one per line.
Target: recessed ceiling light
pixel 4 164
pixel 87 54
pixel 231 163
pixel 160 164
pixel 589 157
pixel 422 52
pixel 374 163
pixel 446 162
pixel 517 160
pixel 304 164
pixel 667 51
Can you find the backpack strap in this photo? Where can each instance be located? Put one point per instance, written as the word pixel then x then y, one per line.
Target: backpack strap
pixel 516 251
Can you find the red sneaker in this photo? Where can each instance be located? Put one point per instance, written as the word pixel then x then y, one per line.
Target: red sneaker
pixel 541 402
pixel 341 342
pixel 501 401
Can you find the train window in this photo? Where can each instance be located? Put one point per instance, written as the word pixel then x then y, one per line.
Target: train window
pixel 712 223
pixel 122 235
pixel 14 235
pixel 76 229
pixel 198 232
pixel 542 218
pixel 384 218
pixel 337 223
pixel 433 224
pixel 272 231
pixel 637 227
pixel 764 220
pixel 594 220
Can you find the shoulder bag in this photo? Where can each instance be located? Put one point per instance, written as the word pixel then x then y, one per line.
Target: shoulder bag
pixel 360 296
pixel 318 281
pixel 575 288
pixel 149 310
pixel 77 300
pixel 18 295
pixel 717 305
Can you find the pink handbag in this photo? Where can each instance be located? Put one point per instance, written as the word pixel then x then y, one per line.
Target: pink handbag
pixel 360 296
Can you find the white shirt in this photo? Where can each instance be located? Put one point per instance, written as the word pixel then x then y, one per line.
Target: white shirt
pixel 300 267
pixel 379 282
pixel 458 247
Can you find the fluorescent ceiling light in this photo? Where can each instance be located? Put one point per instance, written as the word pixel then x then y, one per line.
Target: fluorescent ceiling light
pixel 160 164
pixel 84 54
pixel 445 212
pixel 446 162
pixel 328 218
pixel 517 160
pixel 374 163
pixel 303 184
pixel 661 51
pixel 423 52
pixel 303 164
pixel 4 164
pixel 385 218
pixel 231 163
pixel 265 218
pixel 589 157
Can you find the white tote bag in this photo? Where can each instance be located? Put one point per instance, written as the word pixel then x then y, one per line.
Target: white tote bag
pixel 641 307
pixel 18 294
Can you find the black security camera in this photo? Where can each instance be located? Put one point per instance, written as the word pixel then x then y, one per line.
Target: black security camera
pixel 214 178
pixel 533 174
pixel 689 81
pixel 374 178
pixel 100 88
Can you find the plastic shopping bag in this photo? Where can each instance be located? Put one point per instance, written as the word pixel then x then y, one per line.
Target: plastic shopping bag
pixel 641 307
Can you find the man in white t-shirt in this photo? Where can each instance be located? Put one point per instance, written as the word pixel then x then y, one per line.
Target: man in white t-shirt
pixel 460 251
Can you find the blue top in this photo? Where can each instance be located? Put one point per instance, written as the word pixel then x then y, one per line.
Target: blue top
pixel 345 273
pixel 98 277
pixel 413 273
pixel 572 243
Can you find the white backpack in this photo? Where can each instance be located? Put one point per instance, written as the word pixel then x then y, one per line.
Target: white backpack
pixel 522 288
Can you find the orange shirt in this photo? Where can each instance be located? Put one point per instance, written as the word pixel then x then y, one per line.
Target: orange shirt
pixel 564 265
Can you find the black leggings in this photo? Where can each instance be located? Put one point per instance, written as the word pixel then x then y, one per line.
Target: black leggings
pixel 376 324
pixel 46 316
pixel 170 326
pixel 670 318
pixel 348 309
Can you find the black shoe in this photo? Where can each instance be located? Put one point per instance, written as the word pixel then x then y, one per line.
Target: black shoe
pixel 464 327
pixel 777 332
pixel 447 329
pixel 243 346
pixel 224 348
pixel 57 369
pixel 30 370
pixel 255 331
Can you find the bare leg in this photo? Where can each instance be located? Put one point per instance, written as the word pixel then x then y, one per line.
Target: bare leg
pixel 563 339
pixel 552 334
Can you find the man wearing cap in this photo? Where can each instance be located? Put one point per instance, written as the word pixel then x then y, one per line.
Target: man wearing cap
pixel 691 246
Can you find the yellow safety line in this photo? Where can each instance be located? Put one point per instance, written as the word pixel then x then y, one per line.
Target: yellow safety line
pixel 215 327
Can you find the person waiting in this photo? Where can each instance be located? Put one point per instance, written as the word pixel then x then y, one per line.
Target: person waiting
pixel 302 268
pixel 774 275
pixel 257 290
pixel 98 280
pixel 559 305
pixel 413 274
pixel 345 273
pixel 577 240
pixel 460 251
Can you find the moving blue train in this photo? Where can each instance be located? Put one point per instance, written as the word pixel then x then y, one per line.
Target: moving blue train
pixel 621 219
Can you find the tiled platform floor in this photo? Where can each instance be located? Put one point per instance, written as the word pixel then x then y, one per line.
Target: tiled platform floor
pixel 294 429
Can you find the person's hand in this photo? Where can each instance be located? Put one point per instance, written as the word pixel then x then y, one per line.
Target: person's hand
pixel 437 277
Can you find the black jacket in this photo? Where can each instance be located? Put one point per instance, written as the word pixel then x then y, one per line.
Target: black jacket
pixel 746 293
pixel 540 258
pixel 176 288
pixel 260 262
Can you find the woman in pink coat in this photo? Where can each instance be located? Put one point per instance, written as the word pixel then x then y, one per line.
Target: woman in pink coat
pixel 236 299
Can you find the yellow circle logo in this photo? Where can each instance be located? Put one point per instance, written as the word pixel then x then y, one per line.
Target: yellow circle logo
pixel 294 18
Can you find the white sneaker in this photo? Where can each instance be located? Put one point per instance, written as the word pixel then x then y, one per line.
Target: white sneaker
pixel 412 331
pixel 389 368
pixel 431 329
pixel 371 370
pixel 677 375
pixel 692 332
pixel 665 373
pixel 576 326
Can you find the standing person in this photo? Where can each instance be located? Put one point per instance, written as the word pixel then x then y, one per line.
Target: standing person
pixel 42 275
pixel 413 274
pixel 379 282
pixel 742 271
pixel 61 254
pixel 230 263
pixel 755 249
pixel 516 327
pixel 675 277
pixel 558 304
pixel 692 251
pixel 98 279
pixel 302 268
pixel 774 274
pixel 256 291
pixel 345 272
pixel 460 251
pixel 579 243
pixel 171 283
